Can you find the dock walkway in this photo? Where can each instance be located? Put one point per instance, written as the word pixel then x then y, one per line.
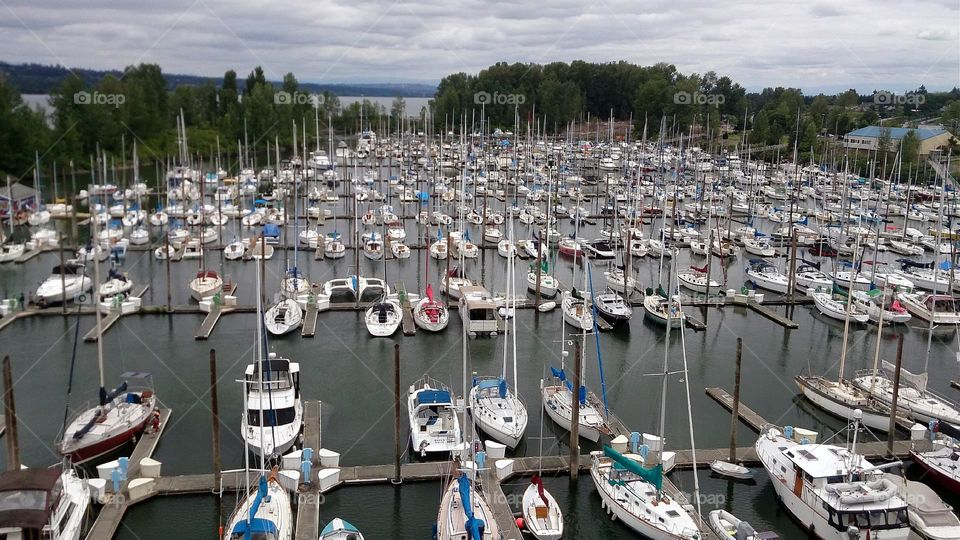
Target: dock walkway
pixel 112 317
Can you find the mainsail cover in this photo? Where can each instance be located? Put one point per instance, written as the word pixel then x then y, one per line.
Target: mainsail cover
pixel 653 476
pixel 473 524
pixel 916 380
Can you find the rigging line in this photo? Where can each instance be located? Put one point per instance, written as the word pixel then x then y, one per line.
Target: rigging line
pixel 73 361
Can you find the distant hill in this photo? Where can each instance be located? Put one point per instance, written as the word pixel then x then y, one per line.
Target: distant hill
pixel 41 79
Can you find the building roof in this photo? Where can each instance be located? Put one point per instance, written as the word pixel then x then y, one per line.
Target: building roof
pixel 897 133
pixel 18 190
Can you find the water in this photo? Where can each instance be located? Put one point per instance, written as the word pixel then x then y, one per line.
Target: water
pixel 352 374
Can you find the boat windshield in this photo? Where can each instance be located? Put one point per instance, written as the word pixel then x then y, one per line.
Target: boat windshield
pixel 271 417
pixel 253 536
pixel 32 499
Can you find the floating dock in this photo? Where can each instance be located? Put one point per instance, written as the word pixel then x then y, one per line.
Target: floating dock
pixel 112 317
pixel 309 328
pixel 108 521
pixel 308 500
pixel 772 315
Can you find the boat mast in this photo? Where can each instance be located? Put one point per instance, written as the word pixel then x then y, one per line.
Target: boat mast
pixel 846 319
pixel 96 294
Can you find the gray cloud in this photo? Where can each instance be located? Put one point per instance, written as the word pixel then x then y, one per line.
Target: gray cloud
pixel 866 44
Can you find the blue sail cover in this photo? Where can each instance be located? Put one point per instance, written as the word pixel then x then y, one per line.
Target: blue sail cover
pixel 558 373
pixel 254 527
pixel 271 230
pixel 473 524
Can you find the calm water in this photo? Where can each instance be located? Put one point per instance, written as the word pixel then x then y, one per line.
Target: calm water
pixel 352 374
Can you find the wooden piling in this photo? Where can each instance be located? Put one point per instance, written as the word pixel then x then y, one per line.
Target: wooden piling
pixel 575 417
pixel 397 478
pixel 215 411
pixel 10 413
pixel 735 410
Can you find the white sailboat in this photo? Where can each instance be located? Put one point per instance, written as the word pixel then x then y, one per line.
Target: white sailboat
pixel 494 406
pixel 383 318
pixel 631 486
pixel 283 316
pixel 429 314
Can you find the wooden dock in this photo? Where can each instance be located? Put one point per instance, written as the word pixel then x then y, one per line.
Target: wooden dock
pixel 502 512
pixel 772 315
pixel 108 521
pixel 747 415
pixel 8 320
pixel 308 500
pixel 112 318
pixel 27 255
pixel 211 320
pixel 407 323
pixel 696 324
pixel 309 328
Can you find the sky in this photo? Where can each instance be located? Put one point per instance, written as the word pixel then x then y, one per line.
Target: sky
pixel 815 45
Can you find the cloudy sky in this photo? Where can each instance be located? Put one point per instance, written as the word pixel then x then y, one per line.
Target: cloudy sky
pixel 815 45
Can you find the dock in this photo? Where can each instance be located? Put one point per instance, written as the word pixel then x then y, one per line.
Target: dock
pixel 747 415
pixel 108 521
pixel 694 323
pixel 112 318
pixel 772 315
pixel 27 255
pixel 309 328
pixel 8 320
pixel 407 323
pixel 757 422
pixel 308 500
pixel 210 321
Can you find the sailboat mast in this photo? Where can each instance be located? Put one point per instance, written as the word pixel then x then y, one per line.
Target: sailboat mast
pixel 96 295
pixel 666 356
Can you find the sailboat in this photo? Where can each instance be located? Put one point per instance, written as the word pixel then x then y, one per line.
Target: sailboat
pixel 118 417
pixel 494 406
pixel 542 516
pixel 429 314
pixel 840 397
pixel 464 513
pixel 339 529
pixel 383 318
pixel 631 486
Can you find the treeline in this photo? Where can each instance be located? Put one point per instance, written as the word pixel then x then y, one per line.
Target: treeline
pixel 113 112
pixel 42 79
pixel 559 94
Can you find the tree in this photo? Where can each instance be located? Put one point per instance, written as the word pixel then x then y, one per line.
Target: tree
pixel 910 145
pixel 883 140
pixel 397 107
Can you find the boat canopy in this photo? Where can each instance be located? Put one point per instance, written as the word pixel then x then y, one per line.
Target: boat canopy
pixel 29 497
pixel 915 264
pixel 271 230
pixel 486 384
pixel 433 397
pixel 207 274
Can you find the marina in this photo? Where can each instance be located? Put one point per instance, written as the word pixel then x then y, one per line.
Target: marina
pixel 341 322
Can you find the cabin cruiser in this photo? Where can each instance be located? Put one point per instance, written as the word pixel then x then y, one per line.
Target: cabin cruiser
pixel 612 307
pixel 434 423
pixel 478 311
pixel 65 282
pixel 274 417
pixel 832 491
pixel 43 503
